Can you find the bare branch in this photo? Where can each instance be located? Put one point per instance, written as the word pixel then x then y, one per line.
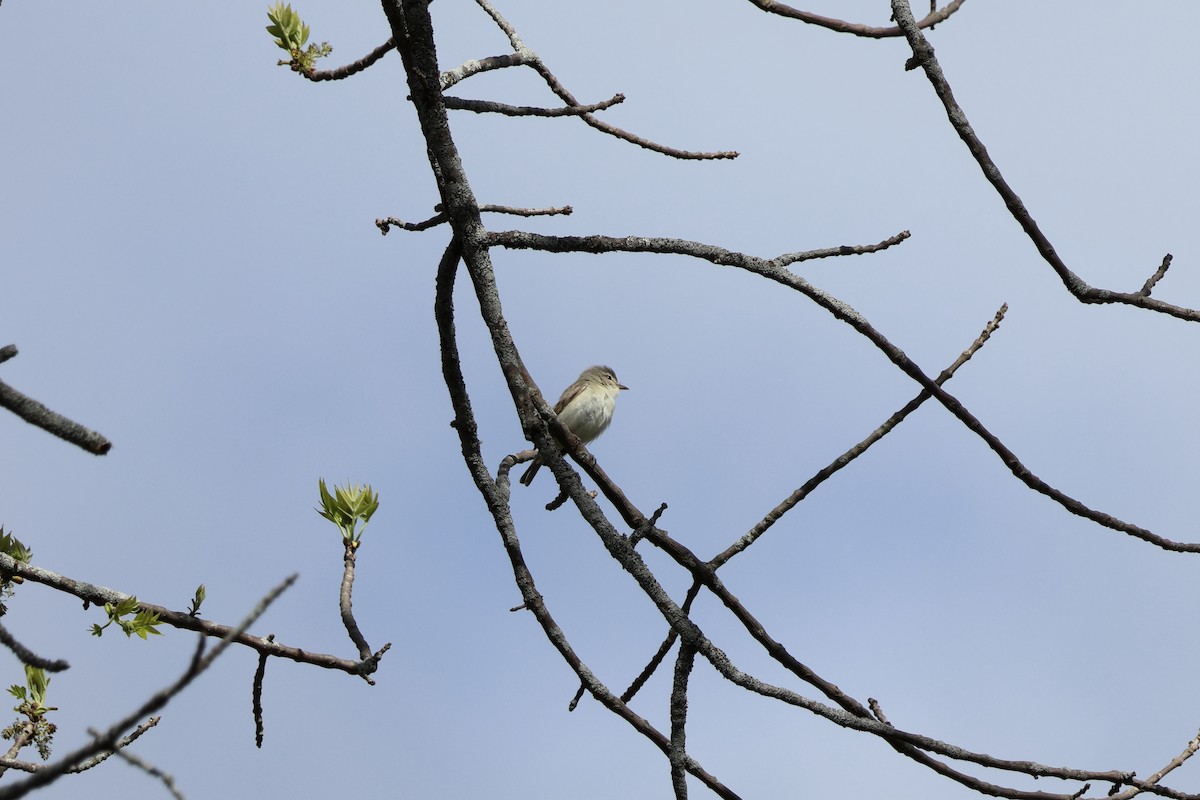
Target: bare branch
pixel 923 57
pixel 474 67
pixel 100 595
pixel 256 690
pixel 679 704
pixel 489 106
pixel 1158 275
pixel 37 414
pixel 526 57
pixel 344 602
pixel 842 250
pixel 27 656
pixel 350 69
pixel 841 26
pixel 857 450
pixel 387 223
pixel 620 133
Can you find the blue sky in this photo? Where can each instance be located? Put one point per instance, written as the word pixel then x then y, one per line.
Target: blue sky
pixel 192 268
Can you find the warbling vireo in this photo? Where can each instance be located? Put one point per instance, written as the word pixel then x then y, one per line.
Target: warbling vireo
pixel 586 408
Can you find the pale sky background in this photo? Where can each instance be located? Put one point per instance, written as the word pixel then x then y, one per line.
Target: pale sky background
pixel 191 267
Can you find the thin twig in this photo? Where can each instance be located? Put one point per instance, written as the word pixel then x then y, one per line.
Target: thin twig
pixel 99 595
pixel 526 57
pixel 1158 275
pixel 841 26
pixel 256 692
pixel 387 223
pixel 492 107
pixel 352 68
pixel 841 250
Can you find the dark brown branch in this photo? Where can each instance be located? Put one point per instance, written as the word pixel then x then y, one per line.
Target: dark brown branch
pixel 350 69
pixel 641 532
pixel 256 690
pixel 841 250
pixel 387 223
pixel 345 604
pixel 99 595
pixel 1158 275
pixel 530 58
pixel 491 107
pixel 27 656
pixel 664 648
pixel 620 133
pixel 857 450
pixel 873 704
pixel 841 26
pixel 923 57
pixel 37 414
pixel 844 313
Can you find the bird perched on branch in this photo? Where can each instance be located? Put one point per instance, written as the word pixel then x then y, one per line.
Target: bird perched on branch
pixel 586 408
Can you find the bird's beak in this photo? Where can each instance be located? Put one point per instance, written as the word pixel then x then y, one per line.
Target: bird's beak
pixel 622 386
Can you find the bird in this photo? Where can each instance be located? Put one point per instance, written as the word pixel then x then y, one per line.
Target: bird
pixel 585 408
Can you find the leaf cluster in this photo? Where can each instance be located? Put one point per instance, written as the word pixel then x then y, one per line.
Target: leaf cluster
pixel 291 34
pixel 34 709
pixel 346 506
pixel 140 622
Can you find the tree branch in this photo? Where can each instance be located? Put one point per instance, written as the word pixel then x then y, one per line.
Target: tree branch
pixel 841 26
pixel 99 595
pixel 923 57
pixel 350 69
pixel 37 414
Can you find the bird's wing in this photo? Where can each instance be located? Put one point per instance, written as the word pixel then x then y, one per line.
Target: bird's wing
pixel 570 394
